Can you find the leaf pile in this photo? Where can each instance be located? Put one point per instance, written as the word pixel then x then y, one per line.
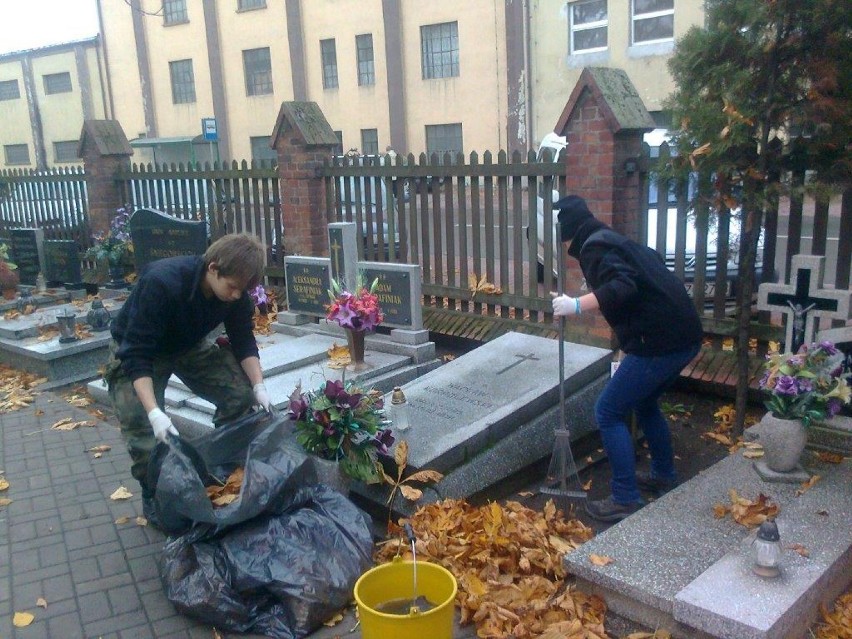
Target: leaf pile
pixel 16 388
pixel 837 623
pixel 263 321
pixel 224 494
pixel 746 512
pixel 508 563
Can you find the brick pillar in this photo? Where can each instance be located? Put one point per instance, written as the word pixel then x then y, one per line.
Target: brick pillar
pixel 303 140
pixel 105 152
pixel 604 121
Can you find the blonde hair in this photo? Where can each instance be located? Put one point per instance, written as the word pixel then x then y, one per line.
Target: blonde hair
pixel 239 255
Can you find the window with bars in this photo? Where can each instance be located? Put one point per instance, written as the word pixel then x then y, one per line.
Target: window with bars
pixel 9 90
pixel 338 150
pixel 17 153
pixel 243 5
pixel 439 49
pixel 183 81
pixel 65 151
pixel 174 12
pixel 57 83
pixel 366 68
pixel 589 26
pixel 260 149
pixel 651 21
pixel 444 138
pixel 258 69
pixel 328 53
pixel 369 141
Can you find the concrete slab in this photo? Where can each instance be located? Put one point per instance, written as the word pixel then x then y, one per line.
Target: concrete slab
pixel 473 402
pixel 728 600
pixel 662 549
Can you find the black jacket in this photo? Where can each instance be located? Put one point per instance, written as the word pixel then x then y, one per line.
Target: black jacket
pixel 166 314
pixel 645 304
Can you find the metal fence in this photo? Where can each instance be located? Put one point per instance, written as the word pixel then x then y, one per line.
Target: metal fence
pixel 54 200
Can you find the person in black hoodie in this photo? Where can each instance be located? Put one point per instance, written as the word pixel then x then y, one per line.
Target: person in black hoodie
pixel 659 331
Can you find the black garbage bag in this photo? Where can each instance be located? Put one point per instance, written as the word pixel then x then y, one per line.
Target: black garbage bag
pixel 279 565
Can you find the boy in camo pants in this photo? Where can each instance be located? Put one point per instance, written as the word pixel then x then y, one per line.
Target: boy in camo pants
pixel 160 330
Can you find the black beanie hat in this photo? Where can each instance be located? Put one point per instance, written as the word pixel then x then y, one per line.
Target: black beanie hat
pixel 572 213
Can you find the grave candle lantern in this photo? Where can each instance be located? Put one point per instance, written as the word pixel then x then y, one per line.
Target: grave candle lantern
pixel 766 550
pixel 67 327
pixel 399 410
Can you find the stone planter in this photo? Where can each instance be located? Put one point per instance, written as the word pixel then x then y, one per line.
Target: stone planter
pixel 330 474
pixel 783 442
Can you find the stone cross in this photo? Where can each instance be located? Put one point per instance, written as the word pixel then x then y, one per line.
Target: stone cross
pixel 804 300
pixel 521 360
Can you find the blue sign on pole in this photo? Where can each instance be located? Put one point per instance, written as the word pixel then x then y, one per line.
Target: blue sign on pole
pixel 209 130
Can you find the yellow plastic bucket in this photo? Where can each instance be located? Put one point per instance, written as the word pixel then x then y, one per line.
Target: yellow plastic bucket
pixel 394 580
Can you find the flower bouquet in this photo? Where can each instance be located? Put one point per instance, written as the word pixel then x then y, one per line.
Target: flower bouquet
pixel 808 386
pixel 358 311
pixel 115 245
pixel 340 422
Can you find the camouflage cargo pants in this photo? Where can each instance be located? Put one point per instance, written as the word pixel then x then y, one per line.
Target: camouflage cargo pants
pixel 209 371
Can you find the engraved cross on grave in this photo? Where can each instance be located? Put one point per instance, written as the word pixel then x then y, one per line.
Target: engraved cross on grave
pixel 804 300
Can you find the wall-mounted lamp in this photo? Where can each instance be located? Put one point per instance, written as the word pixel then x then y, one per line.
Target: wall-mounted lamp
pixel 631 165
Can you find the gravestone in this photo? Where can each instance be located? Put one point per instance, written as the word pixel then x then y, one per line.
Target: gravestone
pixel 307 280
pixel 62 264
pixel 493 412
pixel 27 247
pixel 157 236
pixel 804 300
pixel 399 292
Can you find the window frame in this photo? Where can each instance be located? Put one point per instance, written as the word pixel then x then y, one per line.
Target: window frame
pixel 175 12
pixel 587 26
pixel 452 69
pixel 439 131
pixel 185 89
pixel 256 85
pixel 270 154
pixel 8 96
pixel 338 150
pixel 57 159
pixel 370 147
pixel 366 67
pixel 328 63
pixel 8 147
pixel 634 18
pixel 49 78
pixel 250 5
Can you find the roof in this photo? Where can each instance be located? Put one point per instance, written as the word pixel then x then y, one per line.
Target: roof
pixel 107 135
pixel 137 143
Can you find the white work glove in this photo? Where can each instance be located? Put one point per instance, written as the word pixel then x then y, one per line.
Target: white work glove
pixel 565 305
pixel 162 425
pixel 261 396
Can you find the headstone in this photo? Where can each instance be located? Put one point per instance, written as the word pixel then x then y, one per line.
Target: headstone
pixel 399 292
pixel 157 236
pixel 27 247
pixel 804 300
pixel 62 264
pixel 307 282
pixel 343 253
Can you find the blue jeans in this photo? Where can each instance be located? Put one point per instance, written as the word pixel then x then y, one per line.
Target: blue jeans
pixel 636 386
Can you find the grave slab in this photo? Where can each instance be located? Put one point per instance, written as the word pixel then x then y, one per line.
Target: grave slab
pixel 667 545
pixel 730 601
pixel 474 401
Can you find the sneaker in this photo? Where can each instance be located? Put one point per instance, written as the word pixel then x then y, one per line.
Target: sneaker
pixel 657 485
pixel 609 510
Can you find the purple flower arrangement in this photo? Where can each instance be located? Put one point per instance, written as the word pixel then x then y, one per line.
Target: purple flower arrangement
pixel 809 385
pixel 115 244
pixel 340 422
